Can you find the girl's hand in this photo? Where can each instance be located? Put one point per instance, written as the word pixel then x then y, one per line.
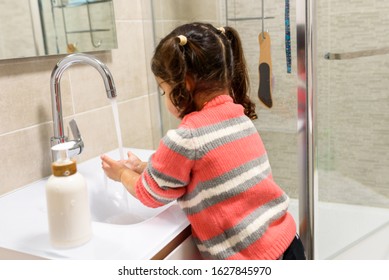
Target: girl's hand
pixel 112 168
pixel 134 163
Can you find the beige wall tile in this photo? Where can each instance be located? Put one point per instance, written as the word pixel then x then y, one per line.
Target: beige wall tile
pixel 129 60
pixel 25 94
pixel 25 157
pixel 204 10
pixel 156 121
pixel 128 9
pixel 136 123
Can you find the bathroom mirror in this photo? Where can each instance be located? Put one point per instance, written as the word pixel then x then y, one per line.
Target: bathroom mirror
pixel 47 27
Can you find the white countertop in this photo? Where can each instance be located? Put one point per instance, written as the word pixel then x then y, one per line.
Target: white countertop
pixel 24 226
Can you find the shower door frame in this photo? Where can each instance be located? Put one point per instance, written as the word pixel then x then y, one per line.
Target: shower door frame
pixel 307 127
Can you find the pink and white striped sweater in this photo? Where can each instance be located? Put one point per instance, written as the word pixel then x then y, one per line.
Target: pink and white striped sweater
pixel 216 166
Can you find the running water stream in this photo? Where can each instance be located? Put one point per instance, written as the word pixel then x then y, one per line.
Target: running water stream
pixel 123 197
pixel 115 111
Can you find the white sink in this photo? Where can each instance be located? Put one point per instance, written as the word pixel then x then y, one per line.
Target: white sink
pixel 123 228
pixel 112 204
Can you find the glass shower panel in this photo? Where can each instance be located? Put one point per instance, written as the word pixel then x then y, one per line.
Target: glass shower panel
pixel 353 131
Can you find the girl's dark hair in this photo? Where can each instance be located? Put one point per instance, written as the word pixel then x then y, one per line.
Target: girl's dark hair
pixel 212 57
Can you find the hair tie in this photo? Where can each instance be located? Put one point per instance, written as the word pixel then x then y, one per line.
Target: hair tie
pixel 222 30
pixel 183 40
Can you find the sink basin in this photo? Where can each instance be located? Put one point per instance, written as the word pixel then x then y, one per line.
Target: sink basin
pixel 122 227
pixel 110 203
pixel 109 200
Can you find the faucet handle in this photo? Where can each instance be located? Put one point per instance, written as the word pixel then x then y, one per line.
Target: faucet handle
pixel 78 143
pixel 75 131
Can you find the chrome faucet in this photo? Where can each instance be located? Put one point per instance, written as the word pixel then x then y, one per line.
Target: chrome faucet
pixel 61 66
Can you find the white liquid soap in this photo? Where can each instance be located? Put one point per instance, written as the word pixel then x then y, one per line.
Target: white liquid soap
pixel 67 202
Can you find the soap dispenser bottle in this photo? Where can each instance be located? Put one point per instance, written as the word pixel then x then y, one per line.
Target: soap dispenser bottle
pixel 67 201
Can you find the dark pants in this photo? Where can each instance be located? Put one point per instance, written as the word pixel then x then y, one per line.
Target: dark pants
pixel 295 250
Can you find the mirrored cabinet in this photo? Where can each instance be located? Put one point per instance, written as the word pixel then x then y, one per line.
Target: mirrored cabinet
pixel 46 27
pixel 82 24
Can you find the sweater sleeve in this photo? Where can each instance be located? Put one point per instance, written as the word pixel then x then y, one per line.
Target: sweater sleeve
pixel 168 171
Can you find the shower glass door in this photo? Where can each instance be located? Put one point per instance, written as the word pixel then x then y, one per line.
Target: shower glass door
pixel 352 103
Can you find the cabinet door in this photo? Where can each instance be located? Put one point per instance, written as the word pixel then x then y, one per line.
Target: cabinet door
pixel 187 250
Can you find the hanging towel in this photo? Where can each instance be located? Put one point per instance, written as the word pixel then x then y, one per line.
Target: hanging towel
pixel 265 70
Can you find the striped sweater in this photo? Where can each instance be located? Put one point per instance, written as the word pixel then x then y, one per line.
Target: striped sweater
pixel 215 165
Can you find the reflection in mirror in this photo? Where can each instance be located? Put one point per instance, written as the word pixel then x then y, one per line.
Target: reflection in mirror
pixel 46 27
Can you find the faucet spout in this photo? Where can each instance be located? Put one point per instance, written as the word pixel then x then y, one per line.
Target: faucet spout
pixel 61 66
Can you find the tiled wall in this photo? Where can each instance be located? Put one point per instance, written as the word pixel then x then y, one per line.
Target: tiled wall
pixel 25 106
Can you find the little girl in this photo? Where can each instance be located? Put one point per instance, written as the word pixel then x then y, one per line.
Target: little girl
pixel 214 164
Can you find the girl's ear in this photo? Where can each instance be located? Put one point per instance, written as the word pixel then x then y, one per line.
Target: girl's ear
pixel 189 83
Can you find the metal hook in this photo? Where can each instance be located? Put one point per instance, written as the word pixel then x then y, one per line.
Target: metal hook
pixel 96 45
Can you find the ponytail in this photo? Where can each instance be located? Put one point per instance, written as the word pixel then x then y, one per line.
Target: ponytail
pixel 239 75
